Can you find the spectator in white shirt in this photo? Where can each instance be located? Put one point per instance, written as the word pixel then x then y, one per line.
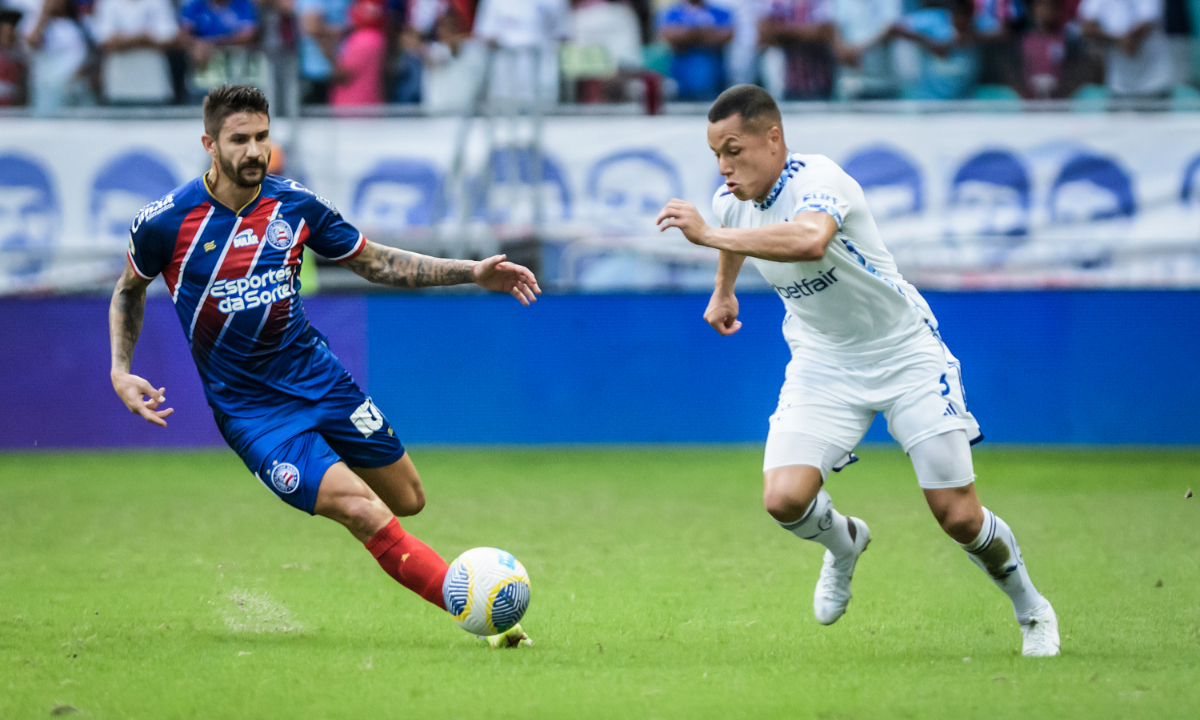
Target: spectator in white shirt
pixel 610 24
pixel 523 30
pixel 59 52
pixel 863 49
pixel 453 65
pixel 134 36
pixel 1138 56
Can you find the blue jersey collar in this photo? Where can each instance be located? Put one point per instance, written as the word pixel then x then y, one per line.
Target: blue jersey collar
pixel 790 169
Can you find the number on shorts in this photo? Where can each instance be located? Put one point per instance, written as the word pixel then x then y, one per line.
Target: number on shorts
pixel 945 385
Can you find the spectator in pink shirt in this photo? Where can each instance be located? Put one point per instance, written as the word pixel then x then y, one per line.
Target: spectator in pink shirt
pixel 358 76
pixel 1043 49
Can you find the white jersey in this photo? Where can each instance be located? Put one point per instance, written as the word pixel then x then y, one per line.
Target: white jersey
pixel 852 306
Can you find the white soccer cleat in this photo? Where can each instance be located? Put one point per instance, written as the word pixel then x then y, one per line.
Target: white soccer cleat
pixel 511 638
pixel 1040 634
pixel 833 586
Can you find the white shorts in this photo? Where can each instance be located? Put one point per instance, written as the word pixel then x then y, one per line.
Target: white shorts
pixel 920 393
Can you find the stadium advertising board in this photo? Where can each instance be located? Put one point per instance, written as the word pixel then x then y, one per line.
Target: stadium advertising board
pixel 965 201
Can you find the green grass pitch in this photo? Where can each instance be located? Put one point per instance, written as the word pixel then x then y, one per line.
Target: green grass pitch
pixel 175 586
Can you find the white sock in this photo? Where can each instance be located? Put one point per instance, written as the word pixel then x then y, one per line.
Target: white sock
pixel 996 552
pixel 822 523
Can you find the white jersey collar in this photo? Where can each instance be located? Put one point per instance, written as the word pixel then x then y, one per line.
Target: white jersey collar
pixel 793 165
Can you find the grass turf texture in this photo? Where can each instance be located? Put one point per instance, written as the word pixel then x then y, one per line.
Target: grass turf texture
pixel 175 586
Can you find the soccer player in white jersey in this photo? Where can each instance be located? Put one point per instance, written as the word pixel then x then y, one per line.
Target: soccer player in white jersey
pixel 863 341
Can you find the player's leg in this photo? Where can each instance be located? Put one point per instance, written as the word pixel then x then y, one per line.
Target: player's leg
pixel 359 433
pixel 930 420
pixel 794 470
pixel 793 494
pixel 398 485
pixel 300 467
pixel 346 498
pixel 820 417
pixel 946 474
pixel 362 436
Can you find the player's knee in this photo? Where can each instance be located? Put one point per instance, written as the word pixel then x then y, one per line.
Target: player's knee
pixel 789 491
pixel 963 524
pixel 411 503
pixel 784 503
pixel 361 515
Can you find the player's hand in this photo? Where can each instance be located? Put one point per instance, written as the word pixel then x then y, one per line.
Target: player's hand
pixel 141 397
pixel 497 275
pixel 686 217
pixel 722 313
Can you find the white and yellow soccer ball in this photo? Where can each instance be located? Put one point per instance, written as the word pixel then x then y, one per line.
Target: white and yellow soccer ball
pixel 486 590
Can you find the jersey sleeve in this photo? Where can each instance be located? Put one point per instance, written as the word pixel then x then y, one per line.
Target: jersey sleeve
pixel 823 198
pixel 150 249
pixel 329 234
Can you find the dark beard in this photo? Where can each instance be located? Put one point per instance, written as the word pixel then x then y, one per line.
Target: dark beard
pixel 236 176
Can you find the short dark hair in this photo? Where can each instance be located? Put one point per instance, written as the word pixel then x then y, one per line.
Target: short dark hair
pixel 226 100
pixel 755 105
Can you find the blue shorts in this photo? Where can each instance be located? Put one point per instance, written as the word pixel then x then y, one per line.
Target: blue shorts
pixel 291 448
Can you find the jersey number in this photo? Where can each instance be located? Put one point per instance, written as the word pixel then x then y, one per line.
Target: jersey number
pixel 367 418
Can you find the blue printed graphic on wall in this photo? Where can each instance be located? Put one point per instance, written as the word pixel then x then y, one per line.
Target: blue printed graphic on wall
pixel 1089 188
pixel 1189 192
pixel 626 189
pixel 29 211
pixel 398 193
pixel 512 182
pixel 122 187
pixel 989 198
pixel 890 181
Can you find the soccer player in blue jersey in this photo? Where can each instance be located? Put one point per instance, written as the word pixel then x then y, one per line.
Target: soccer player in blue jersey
pixel 228 246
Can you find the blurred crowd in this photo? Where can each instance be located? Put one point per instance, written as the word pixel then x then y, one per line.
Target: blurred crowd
pixel 61 53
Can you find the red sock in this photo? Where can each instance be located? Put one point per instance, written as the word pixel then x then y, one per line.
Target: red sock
pixel 411 562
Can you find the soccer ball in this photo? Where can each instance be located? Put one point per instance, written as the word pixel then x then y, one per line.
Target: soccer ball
pixel 486 590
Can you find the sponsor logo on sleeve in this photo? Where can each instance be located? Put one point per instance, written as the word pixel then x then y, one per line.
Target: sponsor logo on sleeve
pixel 153 210
pixel 323 201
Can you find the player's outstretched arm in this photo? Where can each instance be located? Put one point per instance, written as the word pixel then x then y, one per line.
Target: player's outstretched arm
pixel 803 239
pixel 403 269
pixel 722 310
pixel 125 315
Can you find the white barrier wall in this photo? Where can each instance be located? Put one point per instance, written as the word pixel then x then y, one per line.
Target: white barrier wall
pixel 964 200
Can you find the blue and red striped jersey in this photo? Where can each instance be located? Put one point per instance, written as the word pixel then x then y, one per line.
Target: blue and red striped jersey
pixel 234 277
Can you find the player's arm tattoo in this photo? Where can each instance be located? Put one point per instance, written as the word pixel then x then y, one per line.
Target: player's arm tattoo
pixel 125 315
pixel 403 269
